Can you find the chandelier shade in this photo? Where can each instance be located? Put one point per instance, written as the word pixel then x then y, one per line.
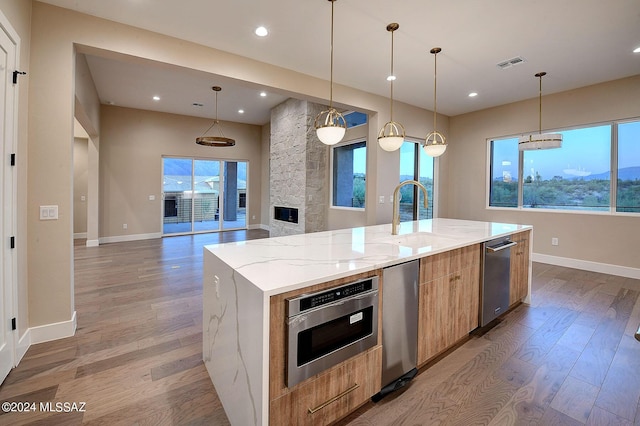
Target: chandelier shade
pixel 220 140
pixel 540 140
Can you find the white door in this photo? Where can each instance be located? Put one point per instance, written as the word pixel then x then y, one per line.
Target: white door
pixel 8 197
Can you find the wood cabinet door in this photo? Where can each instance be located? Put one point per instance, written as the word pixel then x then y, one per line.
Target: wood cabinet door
pixel 448 311
pixel 519 281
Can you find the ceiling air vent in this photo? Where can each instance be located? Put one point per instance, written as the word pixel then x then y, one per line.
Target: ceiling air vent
pixel 510 62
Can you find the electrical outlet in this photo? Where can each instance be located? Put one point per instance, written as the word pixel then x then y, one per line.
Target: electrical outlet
pixel 554 241
pixel 124 226
pixel 381 199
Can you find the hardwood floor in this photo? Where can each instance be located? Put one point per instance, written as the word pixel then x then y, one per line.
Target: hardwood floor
pixel 136 357
pixel 568 359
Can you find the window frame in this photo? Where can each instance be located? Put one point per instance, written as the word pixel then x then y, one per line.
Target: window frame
pixel 613 173
pixel 342 144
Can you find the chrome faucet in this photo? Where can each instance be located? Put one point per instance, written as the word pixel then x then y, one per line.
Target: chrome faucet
pixel 396 203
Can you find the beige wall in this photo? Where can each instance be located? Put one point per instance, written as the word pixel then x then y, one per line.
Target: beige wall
pixel 132 143
pixel 18 12
pixel 598 238
pixel 80 174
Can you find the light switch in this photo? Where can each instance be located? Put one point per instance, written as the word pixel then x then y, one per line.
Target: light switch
pixel 83 198
pixel 382 199
pixel 48 212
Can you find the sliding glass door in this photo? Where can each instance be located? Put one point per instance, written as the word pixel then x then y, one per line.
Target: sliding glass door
pixel 203 195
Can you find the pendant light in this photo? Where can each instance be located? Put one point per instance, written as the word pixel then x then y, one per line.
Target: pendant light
pixel 540 140
pixel 435 144
pixel 330 125
pixel 391 136
pixel 220 141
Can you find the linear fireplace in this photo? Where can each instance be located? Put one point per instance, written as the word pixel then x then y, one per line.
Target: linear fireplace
pixel 286 214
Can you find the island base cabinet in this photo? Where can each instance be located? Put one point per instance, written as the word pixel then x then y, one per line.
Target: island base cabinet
pixel 449 300
pixel 332 395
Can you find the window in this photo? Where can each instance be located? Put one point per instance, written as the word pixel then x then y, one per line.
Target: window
pixel 355 118
pixel 349 174
pixel 417 165
pixel 574 177
pixel 504 173
pixel 628 194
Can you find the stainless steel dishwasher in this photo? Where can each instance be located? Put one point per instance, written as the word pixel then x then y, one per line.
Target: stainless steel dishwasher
pixel 496 267
pixel 399 326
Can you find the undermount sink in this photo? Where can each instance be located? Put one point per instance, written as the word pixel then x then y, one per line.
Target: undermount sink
pixel 418 239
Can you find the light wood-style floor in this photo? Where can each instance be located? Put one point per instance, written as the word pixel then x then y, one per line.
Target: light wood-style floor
pixel 568 359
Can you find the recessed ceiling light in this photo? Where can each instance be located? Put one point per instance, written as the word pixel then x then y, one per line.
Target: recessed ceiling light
pixel 240 111
pixel 391 78
pixel 636 50
pixel 473 94
pixel 263 94
pixel 156 98
pixel 261 31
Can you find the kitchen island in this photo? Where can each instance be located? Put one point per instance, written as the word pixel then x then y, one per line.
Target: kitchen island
pixel 241 279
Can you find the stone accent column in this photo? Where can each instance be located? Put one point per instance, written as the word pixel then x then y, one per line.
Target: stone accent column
pixel 298 168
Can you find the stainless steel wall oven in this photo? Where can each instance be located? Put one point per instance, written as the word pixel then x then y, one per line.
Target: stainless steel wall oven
pixel 330 326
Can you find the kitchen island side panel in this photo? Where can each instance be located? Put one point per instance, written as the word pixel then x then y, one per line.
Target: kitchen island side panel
pixel 234 346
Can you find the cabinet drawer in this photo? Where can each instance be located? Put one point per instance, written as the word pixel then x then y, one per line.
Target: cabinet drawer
pixel 332 395
pixel 443 264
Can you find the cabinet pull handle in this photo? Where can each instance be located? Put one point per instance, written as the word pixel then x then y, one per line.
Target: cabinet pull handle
pixel 335 398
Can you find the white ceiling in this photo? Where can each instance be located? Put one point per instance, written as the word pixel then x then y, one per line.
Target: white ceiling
pixel 577 42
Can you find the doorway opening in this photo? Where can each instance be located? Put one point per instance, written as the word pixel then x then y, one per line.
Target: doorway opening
pixel 203 195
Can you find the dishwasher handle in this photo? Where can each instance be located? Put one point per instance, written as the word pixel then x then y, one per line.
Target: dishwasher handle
pixel 501 247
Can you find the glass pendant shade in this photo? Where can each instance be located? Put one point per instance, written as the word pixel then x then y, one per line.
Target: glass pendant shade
pixel 392 135
pixel 540 140
pixel 330 126
pixel 435 144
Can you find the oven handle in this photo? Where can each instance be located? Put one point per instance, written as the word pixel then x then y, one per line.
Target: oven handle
pixel 367 295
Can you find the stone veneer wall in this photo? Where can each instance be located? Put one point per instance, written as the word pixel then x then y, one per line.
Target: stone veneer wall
pixel 298 168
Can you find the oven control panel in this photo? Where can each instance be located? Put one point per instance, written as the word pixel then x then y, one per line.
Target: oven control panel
pixel 309 301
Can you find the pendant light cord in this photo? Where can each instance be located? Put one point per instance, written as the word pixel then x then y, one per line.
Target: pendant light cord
pixel 435 88
pixel 540 105
pixel 393 77
pixel 331 71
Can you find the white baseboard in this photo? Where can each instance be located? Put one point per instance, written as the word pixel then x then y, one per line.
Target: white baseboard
pixel 79 235
pixel 23 345
pixel 57 330
pixel 604 268
pixel 92 243
pixel 133 237
pixel 259 226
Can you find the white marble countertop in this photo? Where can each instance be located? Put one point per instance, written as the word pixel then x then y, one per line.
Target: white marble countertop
pixel 280 264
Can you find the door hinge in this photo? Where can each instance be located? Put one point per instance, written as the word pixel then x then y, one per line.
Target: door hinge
pixel 15 75
pixel 13 324
pixel 12 242
pixel 13 159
